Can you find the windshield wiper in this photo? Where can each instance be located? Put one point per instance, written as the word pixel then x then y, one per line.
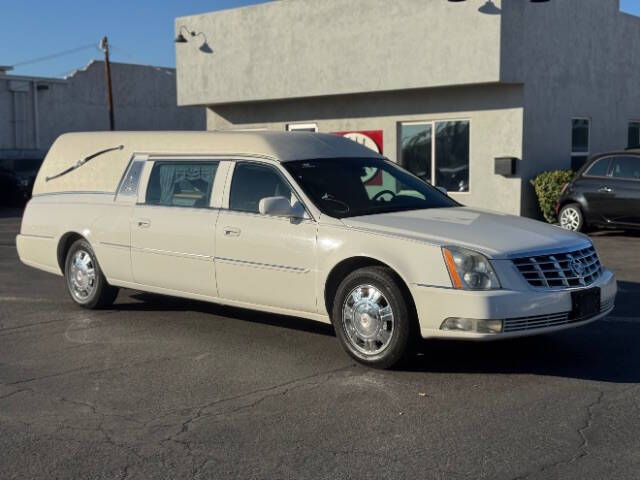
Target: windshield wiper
pixel 381 210
pixel 84 160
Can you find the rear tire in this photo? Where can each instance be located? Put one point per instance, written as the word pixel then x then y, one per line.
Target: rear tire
pixel 571 218
pixel 86 284
pixel 372 318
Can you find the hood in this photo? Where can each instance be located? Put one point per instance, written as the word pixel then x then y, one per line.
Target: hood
pixel 494 234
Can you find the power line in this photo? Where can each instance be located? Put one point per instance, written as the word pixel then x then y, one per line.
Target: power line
pixel 135 58
pixel 54 55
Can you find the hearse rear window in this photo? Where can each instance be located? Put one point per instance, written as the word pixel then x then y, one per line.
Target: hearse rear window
pixel 181 184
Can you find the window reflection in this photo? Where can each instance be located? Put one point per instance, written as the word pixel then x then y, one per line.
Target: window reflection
pixel 416 149
pixel 452 156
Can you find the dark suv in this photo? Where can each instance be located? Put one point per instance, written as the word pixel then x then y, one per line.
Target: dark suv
pixel 604 193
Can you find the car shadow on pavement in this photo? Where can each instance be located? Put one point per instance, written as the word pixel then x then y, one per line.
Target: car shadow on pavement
pixel 149 302
pixel 615 233
pixel 607 350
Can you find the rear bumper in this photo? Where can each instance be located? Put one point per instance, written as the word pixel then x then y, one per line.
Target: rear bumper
pixel 528 313
pixel 38 251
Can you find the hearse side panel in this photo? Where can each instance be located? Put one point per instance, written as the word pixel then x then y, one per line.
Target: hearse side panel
pixel 96 217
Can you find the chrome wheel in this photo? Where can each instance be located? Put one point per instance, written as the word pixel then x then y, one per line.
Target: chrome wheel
pixel 82 275
pixel 367 319
pixel 570 219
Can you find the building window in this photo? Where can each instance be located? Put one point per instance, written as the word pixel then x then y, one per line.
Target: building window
pixel 302 127
pixel 579 142
pixel 634 135
pixel 443 161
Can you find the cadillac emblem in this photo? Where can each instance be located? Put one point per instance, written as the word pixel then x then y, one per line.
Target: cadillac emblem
pixel 577 267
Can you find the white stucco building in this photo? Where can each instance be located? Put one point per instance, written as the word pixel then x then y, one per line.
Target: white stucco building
pixel 442 87
pixel 34 111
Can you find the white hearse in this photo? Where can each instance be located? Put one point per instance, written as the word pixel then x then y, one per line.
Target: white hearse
pixel 303 224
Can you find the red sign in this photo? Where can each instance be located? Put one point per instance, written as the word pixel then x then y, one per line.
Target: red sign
pixel 371 139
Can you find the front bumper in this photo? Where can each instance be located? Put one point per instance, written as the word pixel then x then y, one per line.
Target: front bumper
pixel 533 311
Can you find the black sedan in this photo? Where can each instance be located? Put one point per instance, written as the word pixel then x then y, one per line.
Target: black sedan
pixel 604 193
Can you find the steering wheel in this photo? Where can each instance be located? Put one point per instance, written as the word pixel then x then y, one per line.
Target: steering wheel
pixel 384 192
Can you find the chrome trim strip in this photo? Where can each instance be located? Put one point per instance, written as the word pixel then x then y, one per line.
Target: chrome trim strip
pixel 32 235
pixel 82 162
pixel 117 245
pixel 193 256
pixel 218 157
pixel 292 220
pixel 424 285
pixel 248 263
pixel 50 194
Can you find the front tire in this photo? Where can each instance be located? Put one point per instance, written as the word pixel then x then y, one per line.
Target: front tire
pixel 571 218
pixel 86 284
pixel 371 317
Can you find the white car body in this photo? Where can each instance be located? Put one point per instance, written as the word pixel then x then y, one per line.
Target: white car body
pixel 272 263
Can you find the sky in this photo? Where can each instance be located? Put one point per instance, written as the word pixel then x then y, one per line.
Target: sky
pixel 140 31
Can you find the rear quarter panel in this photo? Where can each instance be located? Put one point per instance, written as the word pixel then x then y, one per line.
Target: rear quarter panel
pixel 48 219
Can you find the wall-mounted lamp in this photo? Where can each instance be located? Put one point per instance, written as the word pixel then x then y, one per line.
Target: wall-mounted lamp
pixel 180 38
pixel 491 8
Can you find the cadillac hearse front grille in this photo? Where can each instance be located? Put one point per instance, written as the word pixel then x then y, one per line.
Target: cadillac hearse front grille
pixel 578 268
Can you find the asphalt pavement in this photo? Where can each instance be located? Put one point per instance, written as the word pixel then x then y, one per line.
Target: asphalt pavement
pixel 164 388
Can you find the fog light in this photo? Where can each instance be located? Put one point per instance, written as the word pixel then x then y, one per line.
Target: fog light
pixel 459 324
pixel 489 326
pixel 471 325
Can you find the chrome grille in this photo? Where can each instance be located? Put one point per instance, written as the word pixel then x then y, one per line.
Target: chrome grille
pixel 531 323
pixel 544 321
pixel 561 270
pixel 608 305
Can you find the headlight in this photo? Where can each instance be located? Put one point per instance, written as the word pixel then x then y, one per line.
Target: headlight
pixel 469 270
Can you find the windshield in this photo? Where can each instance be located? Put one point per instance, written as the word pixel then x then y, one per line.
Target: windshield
pixel 350 187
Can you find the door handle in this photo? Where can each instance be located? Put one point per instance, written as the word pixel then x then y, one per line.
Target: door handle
pixel 143 223
pixel 231 231
pixel 605 189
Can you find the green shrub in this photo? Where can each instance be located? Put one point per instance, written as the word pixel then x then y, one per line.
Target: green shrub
pixel 548 186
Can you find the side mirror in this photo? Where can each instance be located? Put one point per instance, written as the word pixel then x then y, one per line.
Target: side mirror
pixel 443 190
pixel 281 207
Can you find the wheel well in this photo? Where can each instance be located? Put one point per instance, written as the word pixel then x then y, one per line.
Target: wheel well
pixel 345 267
pixel 64 245
pixel 570 200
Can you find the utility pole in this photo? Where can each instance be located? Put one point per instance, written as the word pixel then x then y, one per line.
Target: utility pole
pixel 104 46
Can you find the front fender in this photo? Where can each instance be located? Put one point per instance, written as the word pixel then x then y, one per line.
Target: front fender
pixel 415 262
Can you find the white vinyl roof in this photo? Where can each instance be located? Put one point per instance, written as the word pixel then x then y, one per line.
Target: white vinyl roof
pixel 103 173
